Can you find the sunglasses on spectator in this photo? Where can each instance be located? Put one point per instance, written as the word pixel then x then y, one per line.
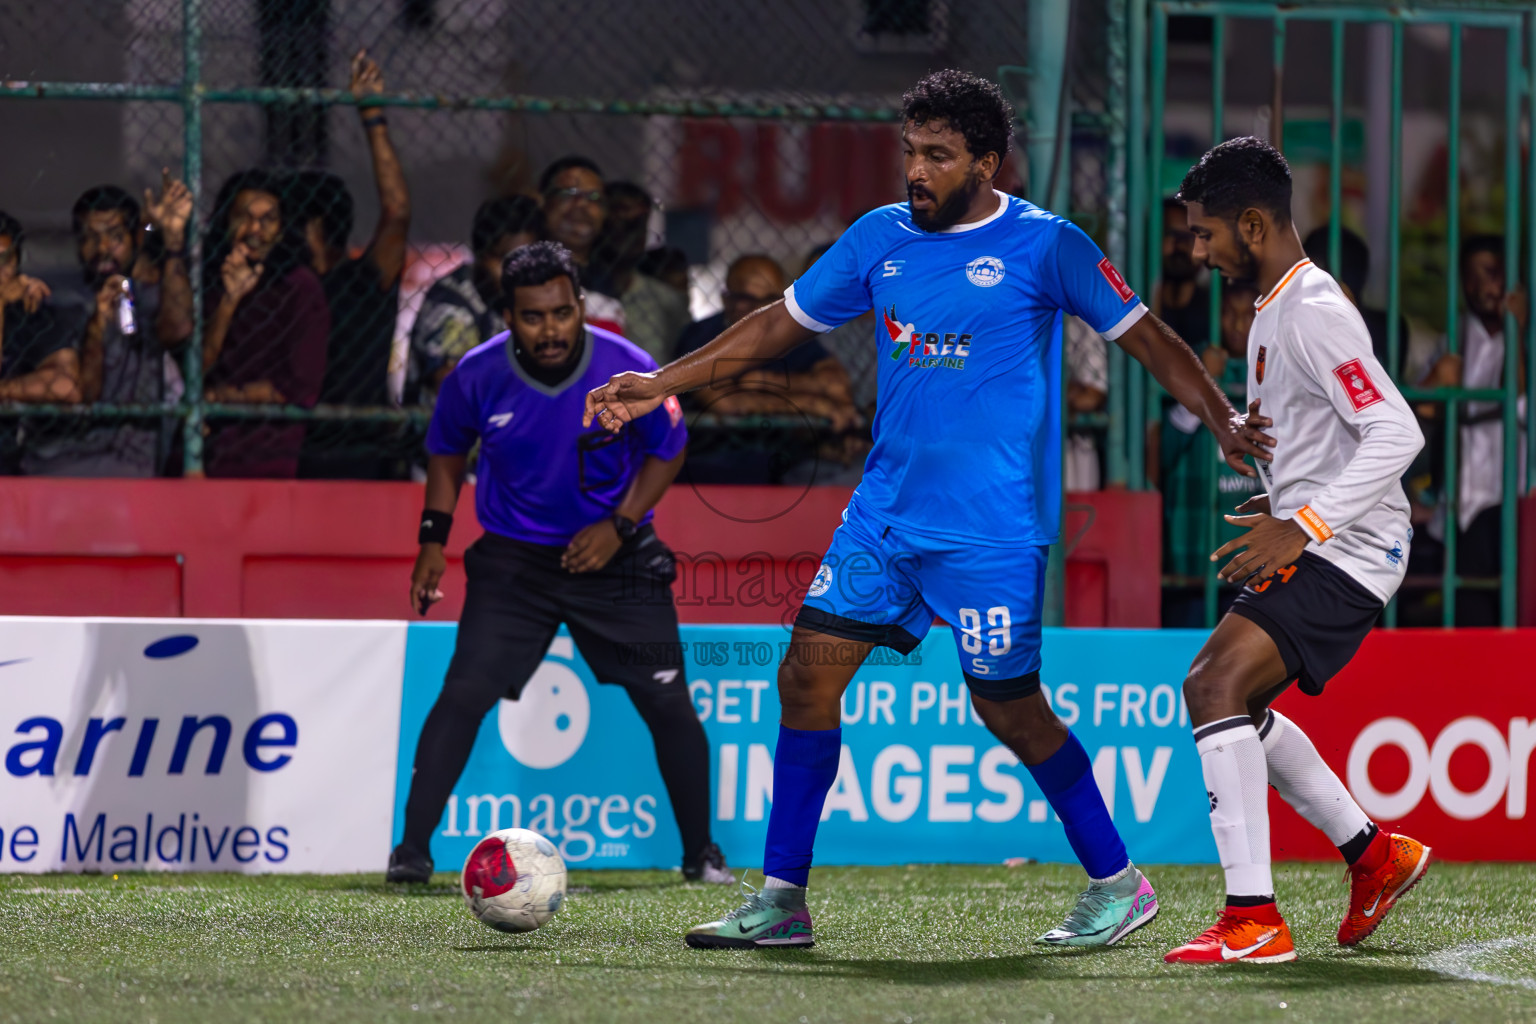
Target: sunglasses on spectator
pixel 594 196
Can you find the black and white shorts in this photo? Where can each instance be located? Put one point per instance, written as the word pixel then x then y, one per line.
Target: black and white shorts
pixel 1317 615
pixel 621 617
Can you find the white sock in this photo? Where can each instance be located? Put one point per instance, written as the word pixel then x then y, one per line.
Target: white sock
pixel 770 882
pixel 1232 761
pixel 1304 780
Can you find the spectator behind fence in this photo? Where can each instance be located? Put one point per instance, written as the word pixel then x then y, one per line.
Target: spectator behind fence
pixel 856 347
pixel 1181 300
pixel 133 311
pixel 808 381
pixel 267 330
pixel 575 211
pixel 1087 358
pixel 655 313
pixel 1354 270
pixel 37 362
pixel 1480 482
pixel 461 309
pixel 362 293
pixel 1186 461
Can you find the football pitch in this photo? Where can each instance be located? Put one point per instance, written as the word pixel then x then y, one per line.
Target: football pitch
pixel 912 944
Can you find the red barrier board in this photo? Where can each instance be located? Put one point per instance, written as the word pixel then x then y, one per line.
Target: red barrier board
pixel 1432 731
pixel 343 550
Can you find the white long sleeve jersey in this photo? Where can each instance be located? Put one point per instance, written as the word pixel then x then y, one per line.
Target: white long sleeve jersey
pixel 1343 435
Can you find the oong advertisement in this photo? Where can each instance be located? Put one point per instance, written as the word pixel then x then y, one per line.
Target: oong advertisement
pixel 185 745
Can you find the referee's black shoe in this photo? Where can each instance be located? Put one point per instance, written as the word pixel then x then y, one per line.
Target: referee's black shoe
pixel 406 865
pixel 708 866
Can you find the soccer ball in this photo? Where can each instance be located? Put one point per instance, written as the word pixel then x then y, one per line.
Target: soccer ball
pixel 514 880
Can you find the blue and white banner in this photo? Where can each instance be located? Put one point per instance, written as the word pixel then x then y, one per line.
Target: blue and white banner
pixel 920 781
pixel 185 745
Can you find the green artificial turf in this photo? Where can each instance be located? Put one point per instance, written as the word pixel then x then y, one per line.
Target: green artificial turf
pixel 893 944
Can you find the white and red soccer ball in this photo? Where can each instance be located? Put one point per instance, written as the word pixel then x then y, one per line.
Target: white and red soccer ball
pixel 514 880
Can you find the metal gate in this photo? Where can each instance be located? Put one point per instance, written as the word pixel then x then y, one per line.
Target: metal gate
pixel 1135 398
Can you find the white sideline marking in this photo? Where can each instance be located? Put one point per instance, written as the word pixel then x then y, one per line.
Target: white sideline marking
pixel 1457 961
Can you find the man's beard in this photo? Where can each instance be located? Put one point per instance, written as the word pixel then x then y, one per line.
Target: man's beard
pixel 948 213
pixel 1247 270
pixel 96 276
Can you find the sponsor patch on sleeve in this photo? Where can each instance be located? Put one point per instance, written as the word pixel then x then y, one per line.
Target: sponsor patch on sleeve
pixel 1115 280
pixel 674 409
pixel 1357 384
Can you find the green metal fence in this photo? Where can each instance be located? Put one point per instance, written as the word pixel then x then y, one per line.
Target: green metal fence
pixel 790 85
pixel 1507 32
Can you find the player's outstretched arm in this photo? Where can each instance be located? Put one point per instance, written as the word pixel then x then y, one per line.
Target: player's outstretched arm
pixel 749 343
pixel 1174 365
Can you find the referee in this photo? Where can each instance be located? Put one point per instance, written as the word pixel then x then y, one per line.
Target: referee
pixel 567 515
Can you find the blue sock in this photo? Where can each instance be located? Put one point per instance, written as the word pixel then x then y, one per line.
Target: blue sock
pixel 804 768
pixel 1067 779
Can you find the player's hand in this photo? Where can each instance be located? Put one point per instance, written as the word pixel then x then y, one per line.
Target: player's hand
pixel 1244 437
pixel 431 563
pixel 592 548
pixel 626 397
pixel 1257 503
pixel 1269 544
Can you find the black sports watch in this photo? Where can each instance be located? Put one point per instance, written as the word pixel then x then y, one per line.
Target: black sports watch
pixel 624 527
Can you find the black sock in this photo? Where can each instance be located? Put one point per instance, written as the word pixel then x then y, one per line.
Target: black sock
pixel 1354 847
pixel 1249 901
pixel 682 754
pixel 441 753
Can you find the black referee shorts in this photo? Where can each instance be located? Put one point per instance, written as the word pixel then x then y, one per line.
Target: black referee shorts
pixel 621 618
pixel 1316 614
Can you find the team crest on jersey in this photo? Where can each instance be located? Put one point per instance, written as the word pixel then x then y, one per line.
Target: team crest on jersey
pixel 985 271
pixel 823 581
pixel 926 350
pixel 1258 368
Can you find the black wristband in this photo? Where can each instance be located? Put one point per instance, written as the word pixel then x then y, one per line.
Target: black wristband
pixel 434 527
pixel 374 120
pixel 624 527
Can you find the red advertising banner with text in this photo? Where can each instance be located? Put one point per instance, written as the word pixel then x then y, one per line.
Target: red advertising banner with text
pixel 1432 731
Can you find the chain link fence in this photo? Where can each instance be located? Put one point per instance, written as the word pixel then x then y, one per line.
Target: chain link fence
pixel 353 169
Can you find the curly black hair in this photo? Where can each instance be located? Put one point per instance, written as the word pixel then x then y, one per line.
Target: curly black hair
pixel 970 104
pixel 1238 175
pixel 535 264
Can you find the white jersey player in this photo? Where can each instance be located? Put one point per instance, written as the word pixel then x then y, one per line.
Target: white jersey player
pixel 1325 550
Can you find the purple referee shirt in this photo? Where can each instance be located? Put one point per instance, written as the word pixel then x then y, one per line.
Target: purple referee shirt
pixel 541 477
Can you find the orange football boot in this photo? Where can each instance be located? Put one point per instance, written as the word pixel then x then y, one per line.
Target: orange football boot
pixel 1254 935
pixel 1391 866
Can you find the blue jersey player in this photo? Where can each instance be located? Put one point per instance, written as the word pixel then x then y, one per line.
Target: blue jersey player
pixel 962 492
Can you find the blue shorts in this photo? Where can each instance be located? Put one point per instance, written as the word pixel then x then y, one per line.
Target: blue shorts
pixel 880 586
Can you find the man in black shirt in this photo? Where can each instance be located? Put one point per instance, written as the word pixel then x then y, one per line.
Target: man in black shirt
pixel 37 362
pixel 363 293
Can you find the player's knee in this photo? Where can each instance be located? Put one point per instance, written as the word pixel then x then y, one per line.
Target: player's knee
pixel 1203 690
pixel 804 694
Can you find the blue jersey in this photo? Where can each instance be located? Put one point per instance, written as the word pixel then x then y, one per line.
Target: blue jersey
pixel 968 425
pixel 541 478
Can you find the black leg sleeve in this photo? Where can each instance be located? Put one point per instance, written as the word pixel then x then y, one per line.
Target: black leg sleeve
pixel 441 752
pixel 682 753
